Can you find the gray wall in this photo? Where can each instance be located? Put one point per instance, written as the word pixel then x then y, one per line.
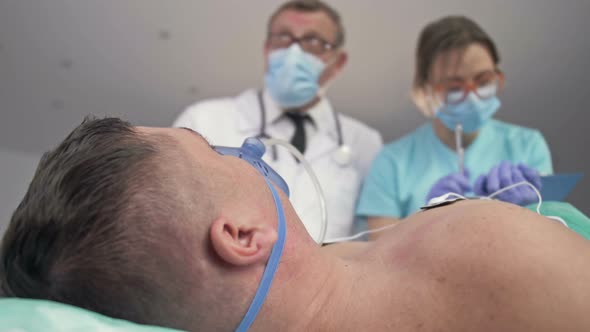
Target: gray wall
pixel 147 59
pixel 16 170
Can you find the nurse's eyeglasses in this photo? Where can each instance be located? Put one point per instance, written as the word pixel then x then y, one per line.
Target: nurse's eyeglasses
pixel 485 85
pixel 310 44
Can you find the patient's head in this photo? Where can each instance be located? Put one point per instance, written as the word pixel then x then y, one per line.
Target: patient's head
pixel 141 224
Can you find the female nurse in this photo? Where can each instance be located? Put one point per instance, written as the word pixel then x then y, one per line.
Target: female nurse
pixel 463 149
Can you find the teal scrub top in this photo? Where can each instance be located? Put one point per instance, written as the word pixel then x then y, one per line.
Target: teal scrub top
pixel 404 171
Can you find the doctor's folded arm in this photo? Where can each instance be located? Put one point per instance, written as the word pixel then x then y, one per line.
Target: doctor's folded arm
pixel 303 53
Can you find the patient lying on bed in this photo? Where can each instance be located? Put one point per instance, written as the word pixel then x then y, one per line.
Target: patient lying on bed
pixel 153 226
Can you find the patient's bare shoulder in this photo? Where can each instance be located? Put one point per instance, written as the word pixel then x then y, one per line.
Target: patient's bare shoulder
pixel 483 224
pixel 508 267
pixel 493 228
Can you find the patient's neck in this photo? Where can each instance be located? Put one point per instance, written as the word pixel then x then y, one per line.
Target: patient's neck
pixel 312 291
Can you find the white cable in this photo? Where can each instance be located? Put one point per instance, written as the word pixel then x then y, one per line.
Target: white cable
pixel 457 195
pixel 559 219
pixel 357 235
pixel 512 186
pixel 538 195
pixel 449 194
pixel 371 231
pixel 320 193
pixel 321 239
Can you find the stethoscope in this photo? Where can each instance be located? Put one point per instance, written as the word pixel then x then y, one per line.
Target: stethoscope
pixel 342 156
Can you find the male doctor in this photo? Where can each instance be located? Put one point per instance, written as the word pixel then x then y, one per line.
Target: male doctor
pixel 303 54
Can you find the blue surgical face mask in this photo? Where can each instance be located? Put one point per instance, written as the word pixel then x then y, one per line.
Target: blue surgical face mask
pixel 293 76
pixel 252 151
pixel 472 113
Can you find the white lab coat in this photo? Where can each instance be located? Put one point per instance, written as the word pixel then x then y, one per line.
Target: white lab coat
pixel 229 121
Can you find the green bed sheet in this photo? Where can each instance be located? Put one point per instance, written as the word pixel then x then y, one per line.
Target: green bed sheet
pixel 575 219
pixel 25 315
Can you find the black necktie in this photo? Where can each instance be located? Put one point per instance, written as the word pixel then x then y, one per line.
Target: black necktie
pixel 298 139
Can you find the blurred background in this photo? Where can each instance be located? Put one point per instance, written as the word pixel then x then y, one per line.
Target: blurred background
pixel 146 60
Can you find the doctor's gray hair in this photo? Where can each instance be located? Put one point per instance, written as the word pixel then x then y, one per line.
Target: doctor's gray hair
pixel 91 230
pixel 313 6
pixel 445 34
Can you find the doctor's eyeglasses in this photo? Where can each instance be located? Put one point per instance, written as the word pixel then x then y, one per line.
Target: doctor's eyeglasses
pixel 484 85
pixel 310 44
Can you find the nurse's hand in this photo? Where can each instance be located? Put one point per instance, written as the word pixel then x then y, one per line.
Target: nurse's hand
pixel 506 174
pixel 453 183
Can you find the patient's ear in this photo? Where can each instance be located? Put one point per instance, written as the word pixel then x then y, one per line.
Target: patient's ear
pixel 240 243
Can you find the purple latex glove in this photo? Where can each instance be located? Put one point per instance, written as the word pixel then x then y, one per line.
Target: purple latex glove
pixel 453 183
pixel 531 175
pixel 505 174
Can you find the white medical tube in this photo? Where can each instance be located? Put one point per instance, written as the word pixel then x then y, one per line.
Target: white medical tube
pixel 358 235
pixel 269 142
pixel 521 183
pixel 518 184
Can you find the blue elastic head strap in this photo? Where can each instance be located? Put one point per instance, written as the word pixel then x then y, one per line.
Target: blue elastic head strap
pixel 252 151
pixel 271 266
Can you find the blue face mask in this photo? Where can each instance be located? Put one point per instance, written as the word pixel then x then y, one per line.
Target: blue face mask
pixel 472 113
pixel 293 76
pixel 252 151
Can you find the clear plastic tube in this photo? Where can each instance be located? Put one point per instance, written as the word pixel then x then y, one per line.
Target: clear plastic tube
pixel 269 142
